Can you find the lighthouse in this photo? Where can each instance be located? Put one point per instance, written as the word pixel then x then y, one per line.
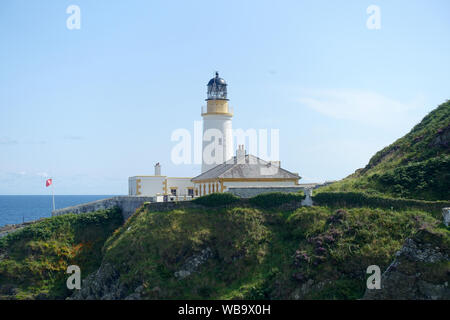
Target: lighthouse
pixel 217 146
pixel 223 170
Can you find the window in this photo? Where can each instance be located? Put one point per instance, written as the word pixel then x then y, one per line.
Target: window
pixel 190 192
pixel 173 191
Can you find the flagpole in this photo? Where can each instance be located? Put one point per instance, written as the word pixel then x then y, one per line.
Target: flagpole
pixel 53 196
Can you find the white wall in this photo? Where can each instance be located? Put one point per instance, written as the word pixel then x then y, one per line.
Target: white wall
pixel 238 184
pixel 132 186
pixel 223 124
pixel 149 185
pixel 152 185
pixel 182 185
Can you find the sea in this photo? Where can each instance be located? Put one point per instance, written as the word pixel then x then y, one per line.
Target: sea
pixel 18 209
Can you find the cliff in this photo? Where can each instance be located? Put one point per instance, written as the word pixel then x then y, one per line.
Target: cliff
pixel 228 249
pixel 415 166
pixel 250 252
pixel 35 257
pixel 420 270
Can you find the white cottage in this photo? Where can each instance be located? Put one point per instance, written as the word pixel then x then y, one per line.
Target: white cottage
pixel 245 171
pixel 177 188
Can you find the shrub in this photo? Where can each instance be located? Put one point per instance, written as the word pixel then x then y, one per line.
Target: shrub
pixel 34 259
pixel 217 199
pixel 306 221
pixel 428 179
pixel 359 199
pixel 275 199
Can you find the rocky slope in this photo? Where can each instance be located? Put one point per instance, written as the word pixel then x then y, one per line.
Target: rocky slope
pixel 421 270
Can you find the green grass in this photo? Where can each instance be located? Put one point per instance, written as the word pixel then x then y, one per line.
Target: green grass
pixel 260 253
pixel 34 260
pixel 276 199
pixel 217 200
pixel 361 199
pixel 416 166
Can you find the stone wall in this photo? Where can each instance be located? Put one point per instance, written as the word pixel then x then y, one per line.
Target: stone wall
pixel 248 192
pixel 128 204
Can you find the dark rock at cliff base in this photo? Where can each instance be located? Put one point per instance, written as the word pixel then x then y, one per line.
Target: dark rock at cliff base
pixel 420 271
pixel 104 284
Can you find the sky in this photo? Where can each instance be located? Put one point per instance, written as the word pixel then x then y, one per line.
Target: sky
pixel 92 106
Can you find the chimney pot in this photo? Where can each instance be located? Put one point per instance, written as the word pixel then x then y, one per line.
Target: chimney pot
pixel 157 169
pixel 240 154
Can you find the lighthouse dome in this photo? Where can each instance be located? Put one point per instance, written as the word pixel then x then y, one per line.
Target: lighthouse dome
pixel 217 88
pixel 217 80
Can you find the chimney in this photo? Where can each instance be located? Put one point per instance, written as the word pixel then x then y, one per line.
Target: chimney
pixel 157 169
pixel 240 154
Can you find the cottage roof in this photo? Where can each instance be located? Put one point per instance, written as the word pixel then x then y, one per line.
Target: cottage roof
pixel 252 168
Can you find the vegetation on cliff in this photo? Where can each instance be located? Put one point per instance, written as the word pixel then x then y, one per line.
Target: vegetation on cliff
pixel 239 251
pixel 420 270
pixel 415 166
pixel 360 199
pixel 34 260
pixel 255 253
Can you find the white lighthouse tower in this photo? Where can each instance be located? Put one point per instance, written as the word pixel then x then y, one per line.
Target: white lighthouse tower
pixel 217 129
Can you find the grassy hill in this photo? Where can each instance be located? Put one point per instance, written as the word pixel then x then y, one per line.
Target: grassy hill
pixel 255 252
pixel 34 260
pixel 234 250
pixel 415 166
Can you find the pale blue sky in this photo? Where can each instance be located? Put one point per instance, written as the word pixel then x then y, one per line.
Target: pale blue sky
pixel 96 105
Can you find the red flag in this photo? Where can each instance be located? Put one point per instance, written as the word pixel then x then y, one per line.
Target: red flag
pixel 48 182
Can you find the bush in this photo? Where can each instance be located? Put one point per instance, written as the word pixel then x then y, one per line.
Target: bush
pixel 33 260
pixel 275 199
pixel 427 179
pixel 45 229
pixel 359 199
pixel 306 221
pixel 217 199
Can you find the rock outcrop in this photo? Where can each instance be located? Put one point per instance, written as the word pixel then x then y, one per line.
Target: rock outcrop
pixel 446 216
pixel 420 271
pixel 104 284
pixel 193 263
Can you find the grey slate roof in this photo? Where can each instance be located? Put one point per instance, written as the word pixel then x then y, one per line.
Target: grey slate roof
pixel 252 168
